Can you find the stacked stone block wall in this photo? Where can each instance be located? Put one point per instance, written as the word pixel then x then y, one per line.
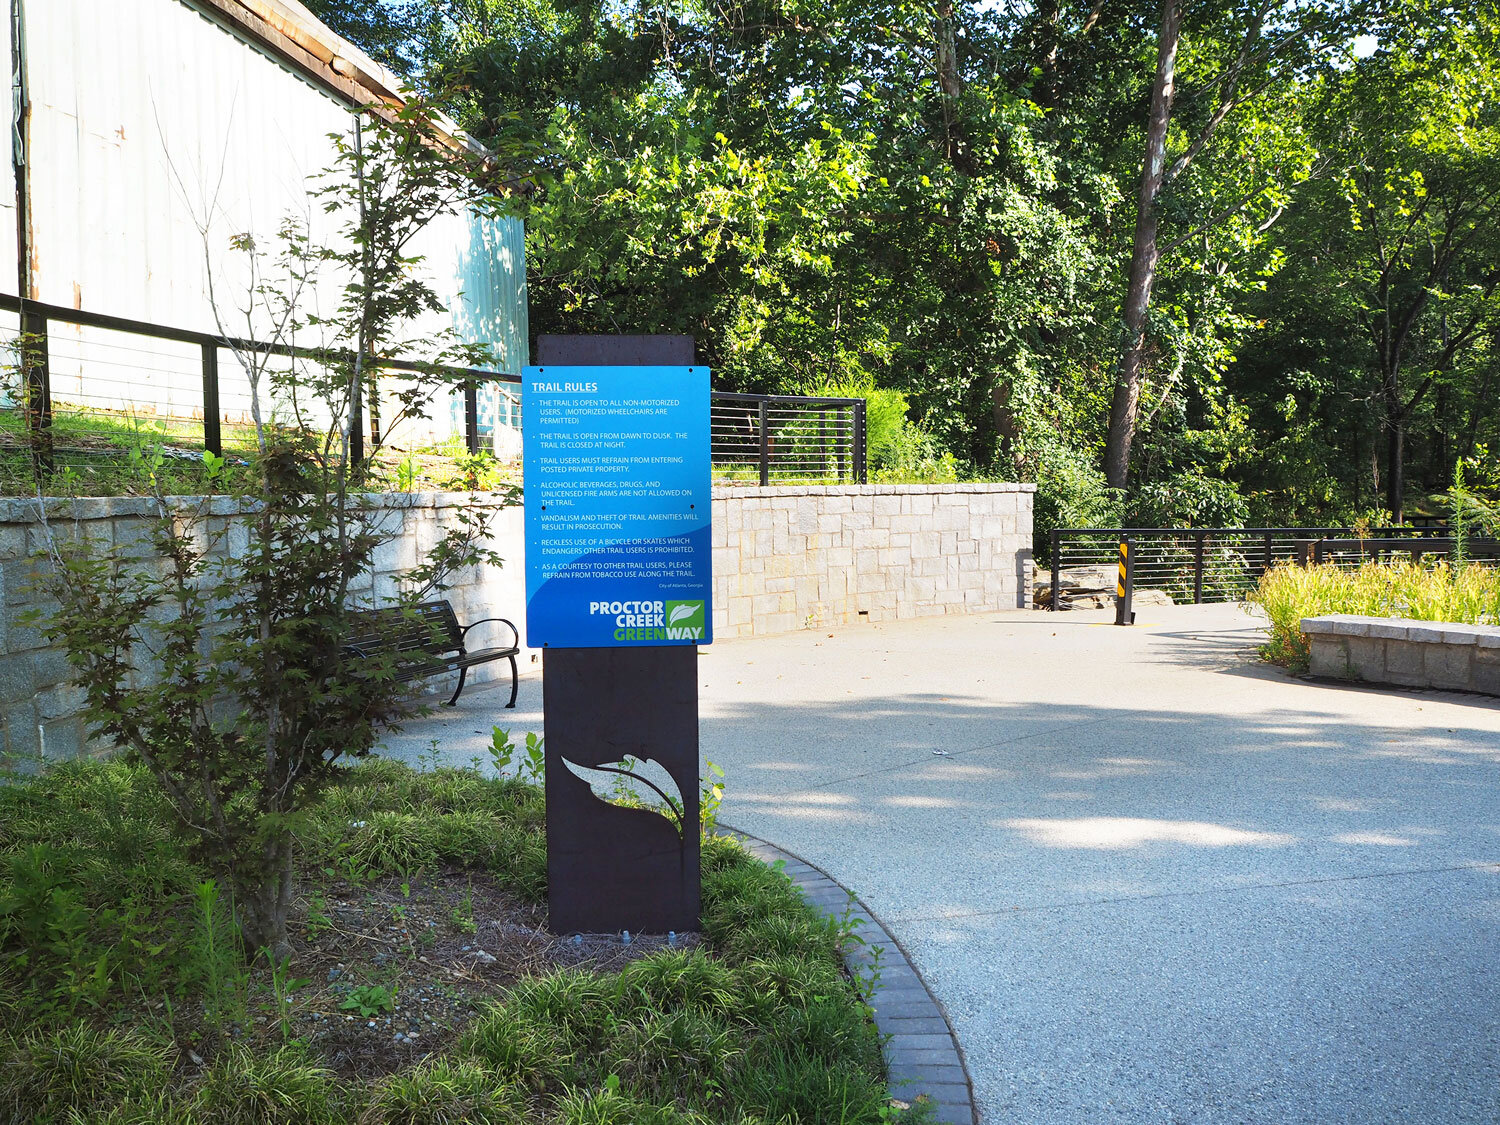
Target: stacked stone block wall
pixel 1420 654
pixel 784 559
pixel 794 558
pixel 40 706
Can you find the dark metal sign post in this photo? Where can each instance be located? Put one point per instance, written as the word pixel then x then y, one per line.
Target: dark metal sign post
pixel 613 868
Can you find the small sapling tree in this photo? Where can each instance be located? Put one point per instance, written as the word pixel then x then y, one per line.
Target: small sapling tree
pixel 215 654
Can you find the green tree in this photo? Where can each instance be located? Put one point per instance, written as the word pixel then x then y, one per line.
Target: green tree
pixel 1239 56
pixel 1069 232
pixel 225 671
pixel 1382 329
pixel 1419 247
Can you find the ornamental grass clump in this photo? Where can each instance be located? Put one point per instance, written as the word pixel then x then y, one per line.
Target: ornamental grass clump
pixel 1466 594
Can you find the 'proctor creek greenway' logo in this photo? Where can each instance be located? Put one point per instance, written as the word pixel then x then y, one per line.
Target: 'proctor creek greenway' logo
pixel 653 621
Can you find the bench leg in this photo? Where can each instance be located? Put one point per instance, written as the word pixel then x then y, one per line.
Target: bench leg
pixel 463 674
pixel 515 682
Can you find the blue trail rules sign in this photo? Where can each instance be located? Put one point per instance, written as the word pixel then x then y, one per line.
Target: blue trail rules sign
pixel 617 487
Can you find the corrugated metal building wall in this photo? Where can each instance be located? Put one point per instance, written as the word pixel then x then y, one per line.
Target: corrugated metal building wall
pixel 158 130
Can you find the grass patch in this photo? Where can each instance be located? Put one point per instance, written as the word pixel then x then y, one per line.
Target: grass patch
pixel 100 452
pixel 1466 595
pixel 124 996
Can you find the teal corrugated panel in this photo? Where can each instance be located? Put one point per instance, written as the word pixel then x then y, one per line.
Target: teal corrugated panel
pixel 492 275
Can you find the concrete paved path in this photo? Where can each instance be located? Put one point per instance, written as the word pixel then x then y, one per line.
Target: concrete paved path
pixel 1150 879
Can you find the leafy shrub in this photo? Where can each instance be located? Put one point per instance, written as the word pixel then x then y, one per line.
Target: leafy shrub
pixel 1071 492
pixel 517 1048
pixel 834 1032
pixel 648 1054
pixel 752 911
pixel 678 979
pixel 383 818
pixel 520 861
pixel 669 1039
pixel 788 1083
pixel 885 414
pixel 609 1107
pixel 914 457
pixel 394 842
pixel 92 874
pixel 788 979
pixel 1187 500
pixel 155 1108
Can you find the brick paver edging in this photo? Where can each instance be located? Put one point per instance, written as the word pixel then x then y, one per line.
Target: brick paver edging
pixel 922 1054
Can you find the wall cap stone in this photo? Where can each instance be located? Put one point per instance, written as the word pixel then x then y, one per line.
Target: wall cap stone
pixel 1338 625
pixel 1402 629
pixel 27 510
pixel 757 492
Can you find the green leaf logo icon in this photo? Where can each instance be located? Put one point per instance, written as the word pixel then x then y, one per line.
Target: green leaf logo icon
pixel 685 614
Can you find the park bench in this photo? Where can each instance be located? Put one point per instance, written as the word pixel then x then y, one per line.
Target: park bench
pixel 427 639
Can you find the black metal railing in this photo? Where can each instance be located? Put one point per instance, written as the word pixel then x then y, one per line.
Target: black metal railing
pixel 89 385
pixel 787 439
pixel 1211 564
pixel 76 395
pixel 1352 552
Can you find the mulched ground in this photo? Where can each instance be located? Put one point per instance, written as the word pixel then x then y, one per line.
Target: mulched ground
pixel 429 953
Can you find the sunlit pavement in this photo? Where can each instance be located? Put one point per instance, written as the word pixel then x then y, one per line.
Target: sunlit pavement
pixel 1151 879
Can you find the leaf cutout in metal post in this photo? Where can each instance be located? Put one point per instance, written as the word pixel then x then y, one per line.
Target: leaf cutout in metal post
pixel 605 783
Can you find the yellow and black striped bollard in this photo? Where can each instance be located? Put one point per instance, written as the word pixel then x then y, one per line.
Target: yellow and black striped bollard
pixel 1125 583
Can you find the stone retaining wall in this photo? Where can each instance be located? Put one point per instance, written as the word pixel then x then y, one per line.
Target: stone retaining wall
pixel 39 706
pixel 1423 654
pixel 784 559
pixel 793 558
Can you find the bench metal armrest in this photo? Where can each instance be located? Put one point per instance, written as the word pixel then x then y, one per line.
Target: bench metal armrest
pixel 516 633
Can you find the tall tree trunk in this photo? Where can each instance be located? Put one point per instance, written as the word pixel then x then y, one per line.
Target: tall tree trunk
pixel 951 87
pixel 1048 15
pixel 1125 407
pixel 1395 467
pixel 1004 414
pixel 1396 414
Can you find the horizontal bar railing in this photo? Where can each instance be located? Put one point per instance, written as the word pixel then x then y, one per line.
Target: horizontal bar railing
pixel 1211 563
pixel 787 439
pixel 194 395
pixel 191 386
pixel 11 303
pixel 1338 550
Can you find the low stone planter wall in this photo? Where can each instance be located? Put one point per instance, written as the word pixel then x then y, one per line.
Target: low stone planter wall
pixel 39 704
pixel 1384 650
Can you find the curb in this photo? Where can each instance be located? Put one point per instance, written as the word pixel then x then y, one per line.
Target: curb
pixel 922 1053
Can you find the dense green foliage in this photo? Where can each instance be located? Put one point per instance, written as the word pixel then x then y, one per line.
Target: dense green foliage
pixel 102 900
pixel 116 951
pixel 1468 595
pixel 941 199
